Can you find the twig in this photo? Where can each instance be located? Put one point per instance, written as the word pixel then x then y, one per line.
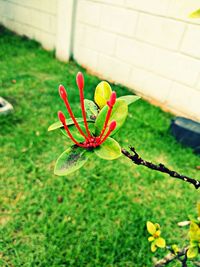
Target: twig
pixel 170 257
pixel 135 158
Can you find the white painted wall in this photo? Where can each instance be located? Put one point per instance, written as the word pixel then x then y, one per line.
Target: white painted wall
pixel 150 46
pixel 34 18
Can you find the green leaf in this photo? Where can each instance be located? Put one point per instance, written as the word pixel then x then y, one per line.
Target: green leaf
pixel 119 114
pixel 151 228
pixel 110 149
pixel 160 242
pixel 75 132
pixel 91 109
pixel 102 94
pixel 192 252
pixel 71 160
pixel 129 98
pixel 58 124
pixel 195 14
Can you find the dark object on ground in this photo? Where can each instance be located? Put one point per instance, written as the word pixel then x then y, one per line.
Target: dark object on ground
pixel 187 132
pixel 5 106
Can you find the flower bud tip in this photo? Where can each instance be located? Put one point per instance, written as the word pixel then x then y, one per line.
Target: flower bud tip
pixel 61 117
pixel 62 91
pixel 80 80
pixel 112 125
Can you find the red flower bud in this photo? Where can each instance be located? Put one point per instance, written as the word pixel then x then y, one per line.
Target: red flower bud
pixel 112 125
pixel 112 99
pixel 62 92
pixel 61 117
pixel 80 80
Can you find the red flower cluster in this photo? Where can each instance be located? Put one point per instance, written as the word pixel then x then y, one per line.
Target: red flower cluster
pixel 90 140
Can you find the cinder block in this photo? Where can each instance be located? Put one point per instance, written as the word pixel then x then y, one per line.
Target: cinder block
pixel 88 12
pixel 119 20
pixel 22 14
pixel 150 84
pixel 43 21
pixel 86 57
pixel 113 69
pixel 135 52
pixel 79 33
pixel 111 2
pixel 166 63
pixel 99 40
pixel 184 99
pixel 160 31
pixel 191 41
pixel 45 5
pixel 177 67
pixel 154 6
pixel 47 40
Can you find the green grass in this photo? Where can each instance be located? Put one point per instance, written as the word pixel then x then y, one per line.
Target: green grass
pixel 101 220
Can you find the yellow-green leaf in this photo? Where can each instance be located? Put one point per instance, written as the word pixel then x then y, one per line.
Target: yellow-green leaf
pixel 110 149
pixel 69 121
pixel 153 247
pixel 151 228
pixel 102 94
pixel 192 252
pixel 175 248
pixel 160 242
pixel 71 160
pixel 119 114
pixel 129 98
pixel 75 132
pixel 195 14
pixel 151 238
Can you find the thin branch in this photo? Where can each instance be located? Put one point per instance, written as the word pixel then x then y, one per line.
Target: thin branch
pixel 170 257
pixel 135 158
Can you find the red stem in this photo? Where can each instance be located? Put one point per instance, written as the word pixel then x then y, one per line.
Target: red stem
pixel 106 121
pixel 83 111
pixel 105 137
pixel 73 118
pixel 70 135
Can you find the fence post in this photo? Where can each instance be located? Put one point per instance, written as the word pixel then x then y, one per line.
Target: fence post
pixel 64 35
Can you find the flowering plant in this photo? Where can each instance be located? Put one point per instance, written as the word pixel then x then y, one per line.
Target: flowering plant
pixel 190 252
pixel 101 119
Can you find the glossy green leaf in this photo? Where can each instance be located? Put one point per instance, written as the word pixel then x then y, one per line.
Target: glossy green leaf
pixel 119 114
pixel 192 252
pixel 110 149
pixel 129 98
pixel 102 93
pixel 151 228
pixel 195 14
pixel 75 132
pixel 58 124
pixel 91 109
pixel 71 160
pixel 160 242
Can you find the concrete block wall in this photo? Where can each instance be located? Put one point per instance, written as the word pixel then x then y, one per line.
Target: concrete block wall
pixel 149 46
pixel 35 19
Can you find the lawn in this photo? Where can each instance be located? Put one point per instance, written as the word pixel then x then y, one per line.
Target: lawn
pixel 97 215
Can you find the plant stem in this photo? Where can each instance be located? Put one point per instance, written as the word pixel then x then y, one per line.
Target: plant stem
pixel 135 158
pixel 170 257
